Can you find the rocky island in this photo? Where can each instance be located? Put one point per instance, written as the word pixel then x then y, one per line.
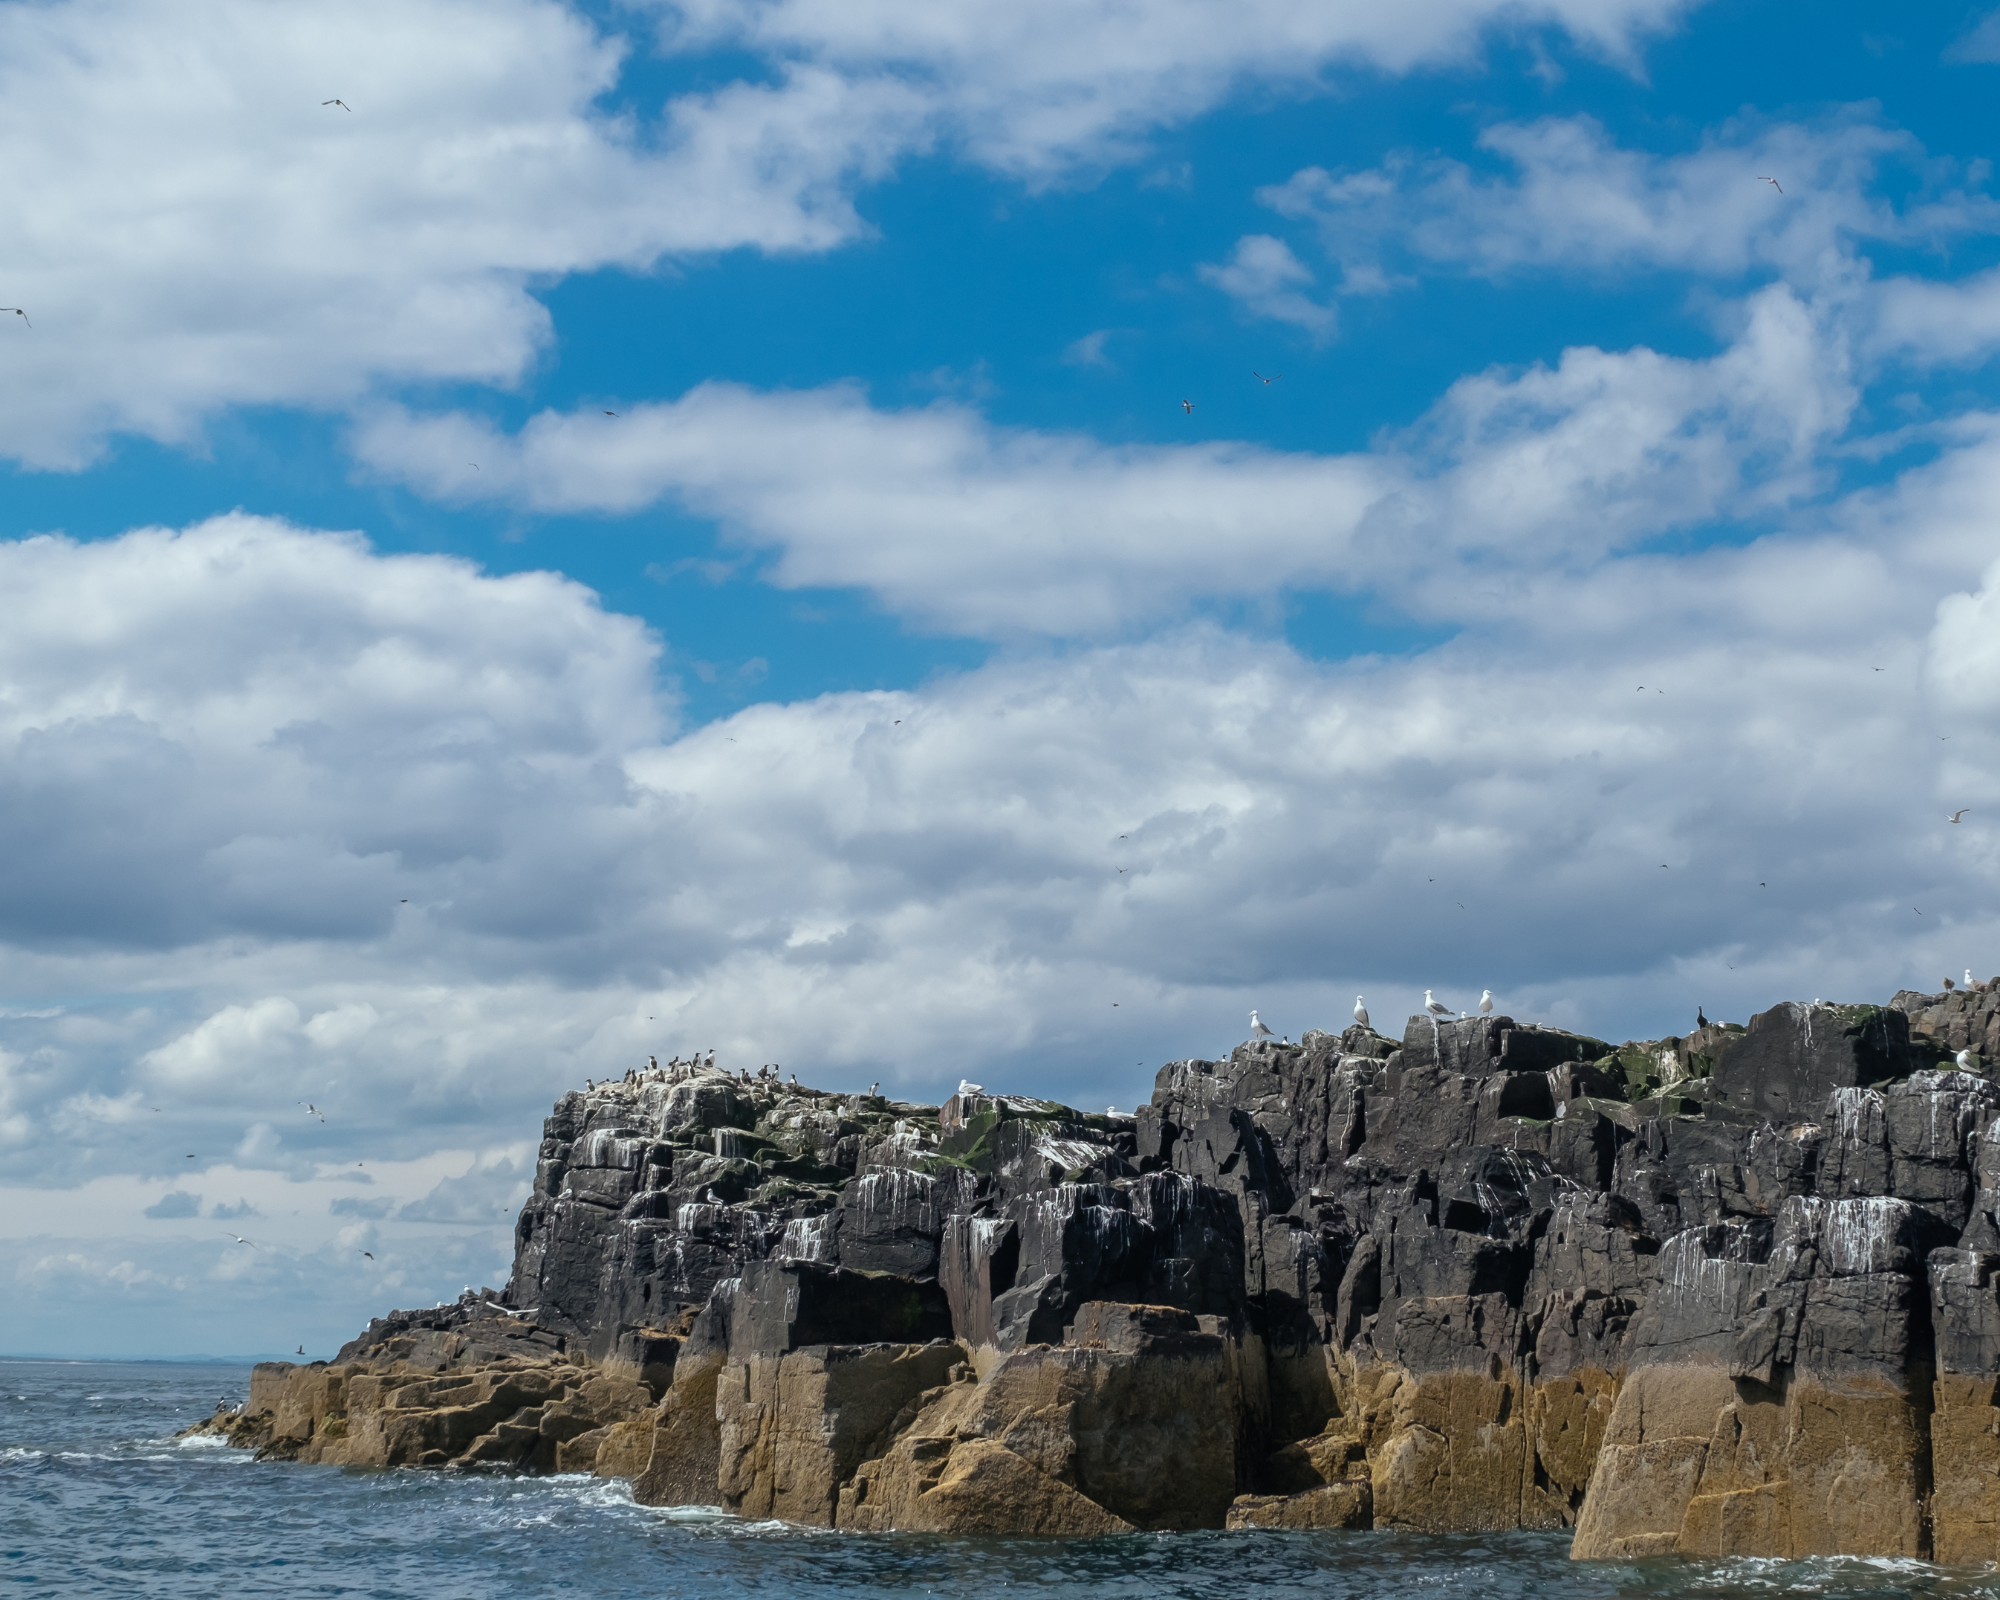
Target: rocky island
pixel 1733 1293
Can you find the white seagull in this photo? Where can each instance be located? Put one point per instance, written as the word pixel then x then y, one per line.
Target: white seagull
pixel 1436 1008
pixel 966 1086
pixel 1257 1028
pixel 1964 1060
pixel 1486 1003
pixel 1360 1012
pixel 1957 814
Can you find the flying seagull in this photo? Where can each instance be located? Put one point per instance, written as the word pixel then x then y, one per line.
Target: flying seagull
pixel 1773 182
pixel 1486 1003
pixel 19 313
pixel 1274 377
pixel 1360 1012
pixel 344 106
pixel 1958 813
pixel 1188 407
pixel 237 1237
pixel 370 1254
pixel 1257 1028
pixel 1436 1008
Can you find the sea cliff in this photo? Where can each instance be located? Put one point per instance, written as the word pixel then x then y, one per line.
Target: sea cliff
pixel 1732 1293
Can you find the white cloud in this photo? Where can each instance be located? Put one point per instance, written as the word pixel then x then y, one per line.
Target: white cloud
pixel 1265 277
pixel 1979 43
pixel 961 525
pixel 1575 202
pixel 192 228
pixel 1926 321
pixel 1037 88
pixel 909 886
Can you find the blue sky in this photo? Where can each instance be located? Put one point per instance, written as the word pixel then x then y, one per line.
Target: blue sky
pixel 904 675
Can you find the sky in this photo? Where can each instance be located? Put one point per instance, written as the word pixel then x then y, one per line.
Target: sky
pixel 919 540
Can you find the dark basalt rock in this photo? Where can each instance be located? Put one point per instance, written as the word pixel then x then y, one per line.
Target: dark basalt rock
pixel 1495 1274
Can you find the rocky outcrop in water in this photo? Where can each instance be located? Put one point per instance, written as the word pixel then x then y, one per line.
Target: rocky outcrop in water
pixel 1737 1292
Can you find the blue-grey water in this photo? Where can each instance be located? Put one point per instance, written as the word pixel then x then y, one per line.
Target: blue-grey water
pixel 96 1498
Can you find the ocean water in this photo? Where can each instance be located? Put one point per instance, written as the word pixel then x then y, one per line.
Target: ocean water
pixel 97 1499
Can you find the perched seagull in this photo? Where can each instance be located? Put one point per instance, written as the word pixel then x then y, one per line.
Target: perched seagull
pixel 966 1086
pixel 1964 1059
pixel 1274 377
pixel 1486 1003
pixel 1957 814
pixel 344 106
pixel 1773 182
pixel 1188 407
pixel 18 312
pixel 1436 1008
pixel 1257 1028
pixel 1360 1012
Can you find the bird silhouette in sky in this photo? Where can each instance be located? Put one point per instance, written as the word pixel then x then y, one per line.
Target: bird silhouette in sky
pixel 1274 377
pixel 344 106
pixel 611 413
pixel 1957 814
pixel 1773 182
pixel 1188 407
pixel 237 1237
pixel 19 313
pixel 370 1254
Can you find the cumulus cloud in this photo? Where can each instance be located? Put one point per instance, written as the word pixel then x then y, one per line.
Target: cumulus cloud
pixel 961 525
pixel 295 684
pixel 493 1187
pixel 194 229
pixel 965 877
pixel 1265 277
pixel 1041 87
pixel 175 1203
pixel 900 886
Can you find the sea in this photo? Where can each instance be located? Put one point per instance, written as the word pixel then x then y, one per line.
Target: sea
pixel 98 1498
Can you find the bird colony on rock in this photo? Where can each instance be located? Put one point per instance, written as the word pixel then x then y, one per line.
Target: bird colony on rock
pixel 1737 1292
